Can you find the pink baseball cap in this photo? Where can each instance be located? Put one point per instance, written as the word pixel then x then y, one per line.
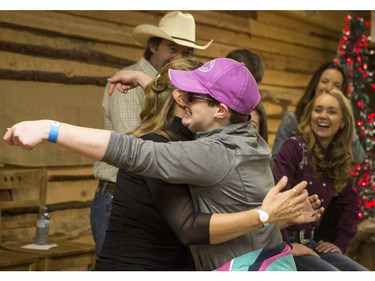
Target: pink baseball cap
pixel 226 80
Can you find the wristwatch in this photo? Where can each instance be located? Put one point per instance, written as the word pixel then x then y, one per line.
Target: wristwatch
pixel 263 216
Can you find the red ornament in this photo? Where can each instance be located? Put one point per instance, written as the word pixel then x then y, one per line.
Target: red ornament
pixel 360 104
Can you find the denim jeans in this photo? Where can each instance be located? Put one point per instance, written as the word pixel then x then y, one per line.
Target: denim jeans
pixel 99 217
pixel 326 262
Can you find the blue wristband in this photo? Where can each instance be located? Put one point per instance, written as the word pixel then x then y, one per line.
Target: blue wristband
pixel 54 131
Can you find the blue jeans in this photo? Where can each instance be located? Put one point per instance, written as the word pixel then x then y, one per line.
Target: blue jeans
pixel 326 262
pixel 99 217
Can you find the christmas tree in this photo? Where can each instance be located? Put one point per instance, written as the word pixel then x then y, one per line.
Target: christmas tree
pixel 353 55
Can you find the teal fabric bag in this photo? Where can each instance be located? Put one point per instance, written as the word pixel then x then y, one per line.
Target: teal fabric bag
pixel 278 258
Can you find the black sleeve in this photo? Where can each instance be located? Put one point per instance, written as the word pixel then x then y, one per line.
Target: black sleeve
pixel 175 205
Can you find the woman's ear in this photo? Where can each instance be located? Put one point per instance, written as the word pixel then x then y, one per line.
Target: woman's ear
pixel 179 98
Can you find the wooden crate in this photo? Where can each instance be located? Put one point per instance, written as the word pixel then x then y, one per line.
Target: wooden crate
pixel 17 227
pixel 70 186
pixel 66 191
pixel 71 223
pixel 67 256
pixel 15 261
pixel 20 187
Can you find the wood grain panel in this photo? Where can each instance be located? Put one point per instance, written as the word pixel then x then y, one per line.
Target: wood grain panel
pixel 284 20
pixel 297 37
pixel 40 44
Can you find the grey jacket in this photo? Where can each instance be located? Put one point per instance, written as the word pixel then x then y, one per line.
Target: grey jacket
pixel 228 170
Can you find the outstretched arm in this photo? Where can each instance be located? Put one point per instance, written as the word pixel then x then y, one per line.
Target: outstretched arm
pixel 89 142
pixel 93 143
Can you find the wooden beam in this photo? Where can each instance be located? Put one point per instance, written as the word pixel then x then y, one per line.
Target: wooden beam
pixel 41 44
pixel 25 63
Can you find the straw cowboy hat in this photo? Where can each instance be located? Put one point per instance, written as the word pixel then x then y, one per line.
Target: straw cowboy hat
pixel 174 26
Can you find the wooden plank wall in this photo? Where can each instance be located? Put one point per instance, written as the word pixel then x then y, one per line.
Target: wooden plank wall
pixel 54 65
pixel 77 50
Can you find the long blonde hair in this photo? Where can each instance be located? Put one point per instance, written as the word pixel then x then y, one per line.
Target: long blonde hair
pixel 157 115
pixel 337 165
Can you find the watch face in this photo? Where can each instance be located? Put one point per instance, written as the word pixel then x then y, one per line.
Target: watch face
pixel 264 217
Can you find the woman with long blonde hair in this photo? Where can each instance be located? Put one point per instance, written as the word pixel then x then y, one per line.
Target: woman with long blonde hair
pixel 320 153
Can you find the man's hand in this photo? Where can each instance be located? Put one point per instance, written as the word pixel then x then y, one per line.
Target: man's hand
pixel 125 80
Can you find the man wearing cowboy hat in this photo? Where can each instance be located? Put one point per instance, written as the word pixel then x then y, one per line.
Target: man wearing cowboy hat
pixel 172 39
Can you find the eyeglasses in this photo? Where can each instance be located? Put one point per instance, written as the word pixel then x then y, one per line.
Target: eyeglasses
pixel 192 96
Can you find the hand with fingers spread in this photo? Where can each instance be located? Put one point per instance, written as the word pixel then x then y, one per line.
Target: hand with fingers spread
pixel 311 212
pixel 285 206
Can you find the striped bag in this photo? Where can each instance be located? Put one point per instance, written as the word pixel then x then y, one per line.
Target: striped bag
pixel 277 258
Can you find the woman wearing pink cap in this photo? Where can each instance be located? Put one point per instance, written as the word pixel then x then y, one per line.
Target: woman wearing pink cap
pixel 227 166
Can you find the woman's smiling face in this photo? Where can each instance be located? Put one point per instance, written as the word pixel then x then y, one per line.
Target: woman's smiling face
pixel 330 79
pixel 326 118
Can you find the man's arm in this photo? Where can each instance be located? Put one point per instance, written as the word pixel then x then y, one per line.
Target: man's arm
pixel 124 80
